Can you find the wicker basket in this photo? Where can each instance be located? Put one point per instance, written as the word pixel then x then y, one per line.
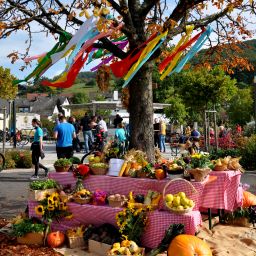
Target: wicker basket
pixel 61 168
pixel 79 200
pixel 220 168
pixel 199 174
pixel 193 191
pixel 76 242
pixel 114 203
pixel 99 171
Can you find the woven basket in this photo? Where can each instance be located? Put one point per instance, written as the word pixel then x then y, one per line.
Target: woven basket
pixel 99 171
pixel 114 203
pixel 193 191
pixel 220 168
pixel 81 200
pixel 199 174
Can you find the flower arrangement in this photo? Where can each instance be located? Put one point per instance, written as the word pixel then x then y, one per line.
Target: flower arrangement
pixel 52 207
pixel 200 160
pixel 81 171
pixel 99 197
pixel 132 220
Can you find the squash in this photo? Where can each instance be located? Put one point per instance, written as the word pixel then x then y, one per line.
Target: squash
pixel 249 199
pixel 122 170
pixel 160 174
pixel 55 239
pixel 188 245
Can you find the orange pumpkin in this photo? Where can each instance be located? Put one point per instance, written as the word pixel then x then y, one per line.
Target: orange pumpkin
pixel 188 245
pixel 248 199
pixel 55 239
pixel 160 174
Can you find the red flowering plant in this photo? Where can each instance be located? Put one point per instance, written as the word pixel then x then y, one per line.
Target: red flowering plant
pixel 80 172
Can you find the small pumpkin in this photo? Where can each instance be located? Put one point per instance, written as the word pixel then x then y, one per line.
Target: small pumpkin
pixel 249 199
pixel 160 174
pixel 55 239
pixel 188 245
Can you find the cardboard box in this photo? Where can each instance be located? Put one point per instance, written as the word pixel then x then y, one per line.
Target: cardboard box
pixel 98 248
pixel 38 195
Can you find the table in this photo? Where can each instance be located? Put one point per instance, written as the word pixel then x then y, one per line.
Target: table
pixel 158 221
pixel 123 185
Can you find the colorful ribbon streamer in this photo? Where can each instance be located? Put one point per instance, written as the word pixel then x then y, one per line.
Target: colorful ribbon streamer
pixel 196 47
pixel 170 57
pixel 189 30
pixel 121 68
pixel 145 55
pixel 45 61
pixel 85 27
pixel 28 59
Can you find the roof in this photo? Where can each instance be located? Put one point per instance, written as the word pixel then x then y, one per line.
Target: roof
pixel 41 105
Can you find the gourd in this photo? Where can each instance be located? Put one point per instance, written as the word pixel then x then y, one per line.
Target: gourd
pixel 249 199
pixel 55 239
pixel 188 245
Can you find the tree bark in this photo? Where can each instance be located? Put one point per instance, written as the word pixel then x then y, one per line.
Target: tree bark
pixel 141 112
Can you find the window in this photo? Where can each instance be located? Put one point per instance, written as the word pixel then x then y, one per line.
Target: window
pixel 24 109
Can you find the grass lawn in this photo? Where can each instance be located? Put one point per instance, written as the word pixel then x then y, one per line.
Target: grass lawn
pixel 81 87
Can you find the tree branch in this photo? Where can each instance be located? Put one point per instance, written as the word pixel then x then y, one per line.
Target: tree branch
pixel 146 6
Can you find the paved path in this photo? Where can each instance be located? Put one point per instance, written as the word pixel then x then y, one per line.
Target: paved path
pixel 14 184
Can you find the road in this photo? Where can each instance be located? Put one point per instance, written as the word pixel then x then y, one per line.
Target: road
pixel 14 184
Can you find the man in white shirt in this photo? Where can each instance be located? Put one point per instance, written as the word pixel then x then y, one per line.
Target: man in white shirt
pixel 103 125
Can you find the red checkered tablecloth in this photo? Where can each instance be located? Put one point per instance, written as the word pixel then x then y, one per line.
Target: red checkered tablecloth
pixel 224 193
pixel 123 185
pixel 158 221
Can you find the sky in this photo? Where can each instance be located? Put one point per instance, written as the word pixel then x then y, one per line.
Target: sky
pixel 40 44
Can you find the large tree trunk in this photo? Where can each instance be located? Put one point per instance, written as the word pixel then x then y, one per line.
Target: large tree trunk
pixel 141 112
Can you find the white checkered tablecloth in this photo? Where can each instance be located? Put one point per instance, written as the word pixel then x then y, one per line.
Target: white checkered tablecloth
pixel 158 221
pixel 224 193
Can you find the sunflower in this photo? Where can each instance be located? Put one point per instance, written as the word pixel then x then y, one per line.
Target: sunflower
pixel 50 207
pixel 62 206
pixel 55 196
pixel 50 201
pixel 39 210
pixel 69 216
pixel 47 195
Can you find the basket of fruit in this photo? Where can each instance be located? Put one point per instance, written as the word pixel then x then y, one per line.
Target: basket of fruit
pixel 117 200
pixel 99 168
pixel 82 197
pixel 179 203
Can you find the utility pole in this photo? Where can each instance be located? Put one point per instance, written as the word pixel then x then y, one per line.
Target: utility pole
pixel 14 123
pixel 254 99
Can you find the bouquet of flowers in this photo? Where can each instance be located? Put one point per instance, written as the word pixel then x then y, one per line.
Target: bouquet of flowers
pixel 200 160
pixel 132 220
pixel 99 197
pixel 80 172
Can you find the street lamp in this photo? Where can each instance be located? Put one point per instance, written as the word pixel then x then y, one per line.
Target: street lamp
pixel 254 98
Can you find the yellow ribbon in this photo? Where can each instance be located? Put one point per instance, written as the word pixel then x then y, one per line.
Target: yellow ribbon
pixel 183 40
pixel 150 46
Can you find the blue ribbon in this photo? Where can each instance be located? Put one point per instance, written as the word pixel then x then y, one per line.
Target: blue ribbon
pixel 196 47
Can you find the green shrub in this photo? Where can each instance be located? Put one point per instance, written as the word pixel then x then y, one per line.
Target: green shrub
pixel 248 154
pixel 221 153
pixel 18 159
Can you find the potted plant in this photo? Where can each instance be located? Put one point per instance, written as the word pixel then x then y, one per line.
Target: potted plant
pixel 62 165
pixel 29 231
pixel 38 189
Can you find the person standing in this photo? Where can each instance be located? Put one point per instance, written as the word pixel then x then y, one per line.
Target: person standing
pixel 76 142
pixel 64 133
pixel 87 132
pixel 103 124
pixel 156 132
pixel 118 120
pixel 162 134
pixel 37 149
pixel 120 137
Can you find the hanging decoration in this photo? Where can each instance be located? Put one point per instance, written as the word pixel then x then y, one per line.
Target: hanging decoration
pixel 45 62
pixel 196 47
pixel 103 77
pixel 121 68
pixel 184 40
pixel 145 55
